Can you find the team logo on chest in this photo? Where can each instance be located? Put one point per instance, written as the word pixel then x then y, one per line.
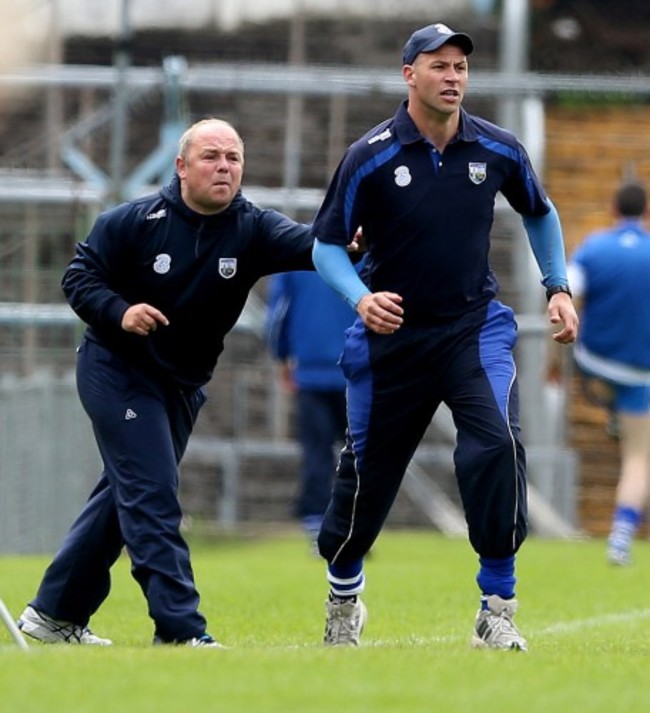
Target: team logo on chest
pixel 477 172
pixel 402 176
pixel 162 264
pixel 227 267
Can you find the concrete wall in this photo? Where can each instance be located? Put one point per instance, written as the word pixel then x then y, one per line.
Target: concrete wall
pixel 33 32
pixel 24 35
pixel 101 17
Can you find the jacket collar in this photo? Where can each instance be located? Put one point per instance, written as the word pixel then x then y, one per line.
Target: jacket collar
pixel 407 132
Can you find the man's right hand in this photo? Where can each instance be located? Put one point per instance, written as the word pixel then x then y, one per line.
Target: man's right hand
pixel 381 311
pixel 142 319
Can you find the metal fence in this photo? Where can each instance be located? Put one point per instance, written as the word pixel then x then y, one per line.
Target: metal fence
pixel 57 169
pixel 48 461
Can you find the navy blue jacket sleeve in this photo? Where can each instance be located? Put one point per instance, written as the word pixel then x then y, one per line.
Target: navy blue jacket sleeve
pixel 287 244
pixel 88 280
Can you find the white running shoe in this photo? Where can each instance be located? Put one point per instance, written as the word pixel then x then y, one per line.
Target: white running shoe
pixel 42 627
pixel 345 621
pixel 494 628
pixel 196 642
pixel 618 556
pixel 204 642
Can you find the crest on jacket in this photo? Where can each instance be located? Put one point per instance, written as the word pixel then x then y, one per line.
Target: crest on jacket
pixel 227 267
pixel 477 172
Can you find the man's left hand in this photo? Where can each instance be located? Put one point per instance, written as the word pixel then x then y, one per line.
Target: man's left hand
pixel 561 311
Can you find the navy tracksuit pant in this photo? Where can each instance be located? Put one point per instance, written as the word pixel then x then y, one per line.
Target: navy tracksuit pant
pixel 142 427
pixel 395 384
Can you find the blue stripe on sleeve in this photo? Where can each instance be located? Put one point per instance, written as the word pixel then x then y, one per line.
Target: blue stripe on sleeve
pixel 514 155
pixel 363 170
pixel 500 148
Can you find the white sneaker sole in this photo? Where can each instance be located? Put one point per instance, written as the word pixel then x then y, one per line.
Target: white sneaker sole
pixel 478 643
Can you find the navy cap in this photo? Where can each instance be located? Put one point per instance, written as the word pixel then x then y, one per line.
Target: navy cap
pixel 431 37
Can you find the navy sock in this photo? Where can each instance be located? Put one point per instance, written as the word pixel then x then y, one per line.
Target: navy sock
pixel 347 580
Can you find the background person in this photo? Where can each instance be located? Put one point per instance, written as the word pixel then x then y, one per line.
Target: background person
pixel 306 321
pixel 609 272
pixel 159 281
pixel 422 186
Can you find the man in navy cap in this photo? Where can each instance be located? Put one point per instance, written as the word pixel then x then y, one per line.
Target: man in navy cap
pixel 422 186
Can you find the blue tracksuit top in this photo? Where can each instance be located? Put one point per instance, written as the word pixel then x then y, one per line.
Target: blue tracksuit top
pixel 613 277
pixel 426 216
pixel 306 321
pixel 196 269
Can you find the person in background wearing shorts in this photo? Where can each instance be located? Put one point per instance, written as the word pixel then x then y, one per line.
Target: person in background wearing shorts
pixel 610 273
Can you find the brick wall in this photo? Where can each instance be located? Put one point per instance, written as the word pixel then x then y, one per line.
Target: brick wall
pixel 590 149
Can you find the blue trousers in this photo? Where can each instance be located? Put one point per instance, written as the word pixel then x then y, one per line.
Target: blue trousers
pixel 142 427
pixel 395 384
pixel 321 425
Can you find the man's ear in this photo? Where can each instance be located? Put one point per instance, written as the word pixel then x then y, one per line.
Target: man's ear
pixel 409 74
pixel 180 166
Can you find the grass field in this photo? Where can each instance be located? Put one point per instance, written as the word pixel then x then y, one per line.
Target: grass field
pixel 587 626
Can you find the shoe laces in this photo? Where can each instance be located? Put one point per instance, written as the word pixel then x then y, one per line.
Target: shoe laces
pixel 67 630
pixel 494 627
pixel 342 620
pixel 502 623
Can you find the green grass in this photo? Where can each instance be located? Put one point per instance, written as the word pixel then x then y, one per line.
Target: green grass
pixel 587 626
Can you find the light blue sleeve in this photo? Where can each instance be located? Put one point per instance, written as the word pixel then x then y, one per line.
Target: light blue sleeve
pixel 547 243
pixel 333 264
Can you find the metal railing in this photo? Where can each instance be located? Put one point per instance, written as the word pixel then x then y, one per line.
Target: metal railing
pixel 551 462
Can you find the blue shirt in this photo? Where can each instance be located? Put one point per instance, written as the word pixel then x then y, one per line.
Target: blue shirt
pixel 306 322
pixel 427 216
pixel 611 272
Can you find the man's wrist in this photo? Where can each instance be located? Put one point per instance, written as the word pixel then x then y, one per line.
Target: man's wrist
pixel 354 299
pixel 550 291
